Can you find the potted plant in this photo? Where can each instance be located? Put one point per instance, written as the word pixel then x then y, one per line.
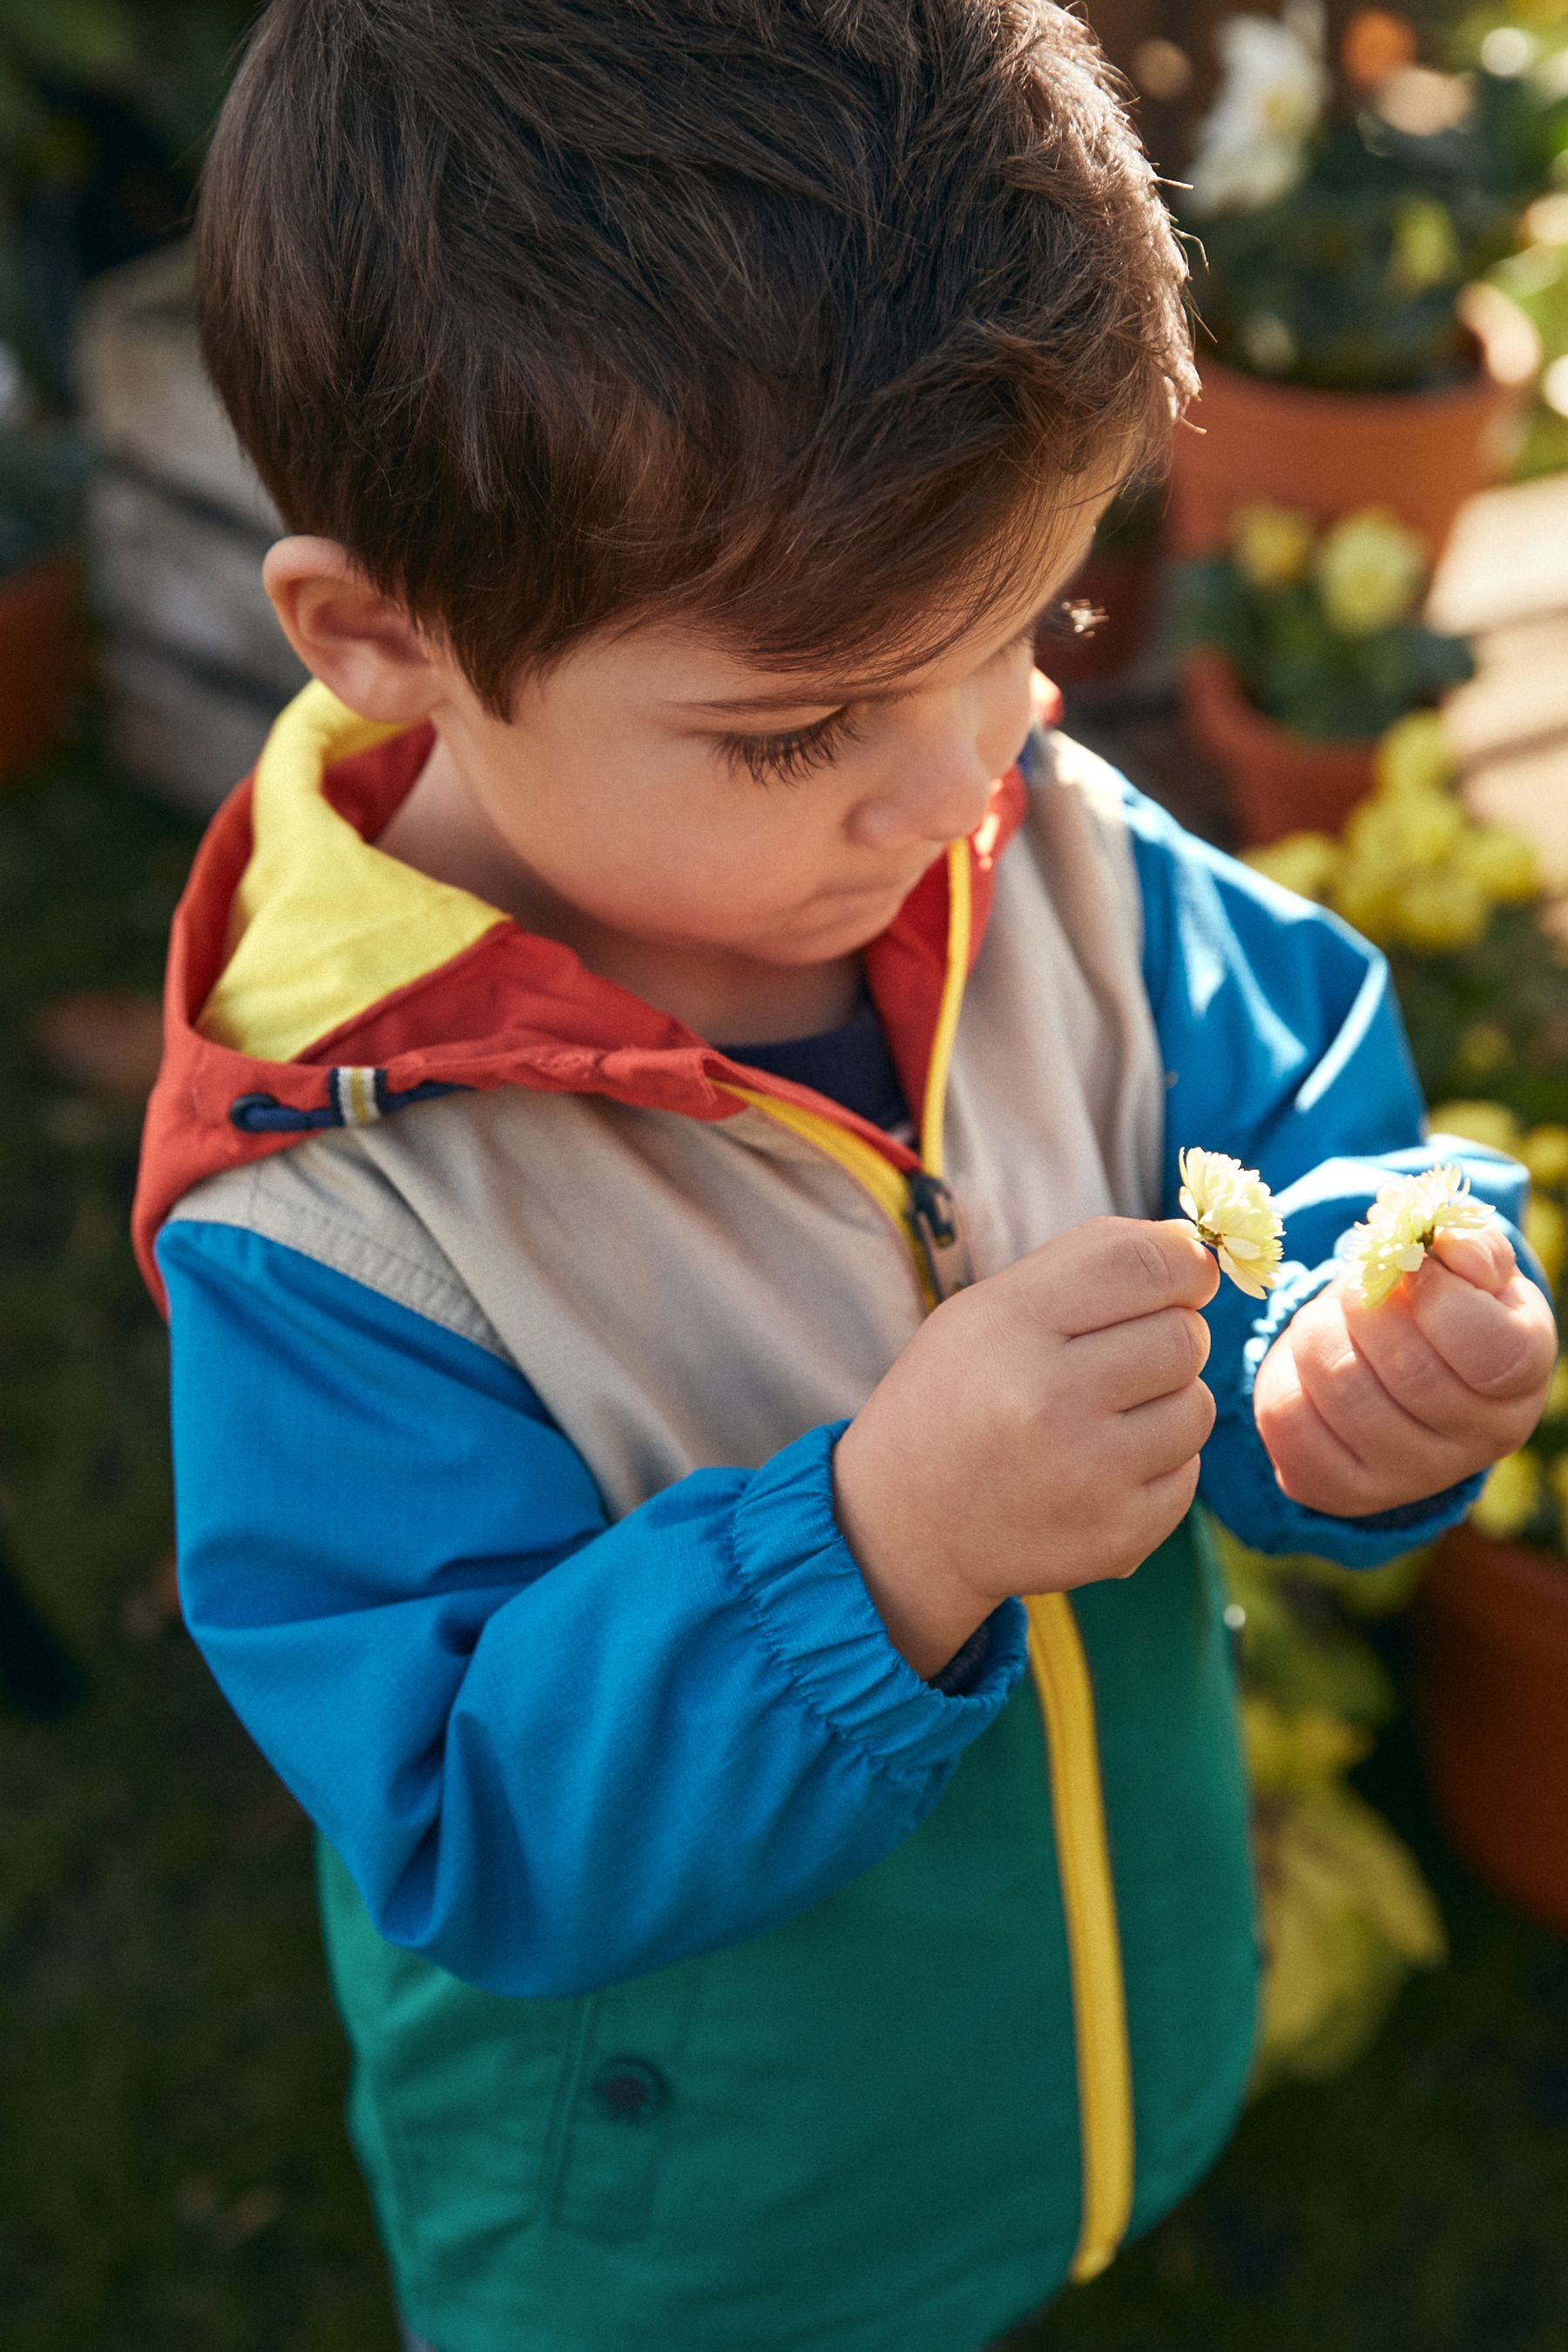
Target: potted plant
pixel 1484 986
pixel 1342 210
pixel 41 642
pixel 1492 1635
pixel 1492 1620
pixel 1536 281
pixel 1344 1913
pixel 1303 646
pixel 104 110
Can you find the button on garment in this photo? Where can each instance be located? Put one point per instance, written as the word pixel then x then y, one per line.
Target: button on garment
pixel 629 2090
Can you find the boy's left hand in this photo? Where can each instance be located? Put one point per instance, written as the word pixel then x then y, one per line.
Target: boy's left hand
pixel 1363 1408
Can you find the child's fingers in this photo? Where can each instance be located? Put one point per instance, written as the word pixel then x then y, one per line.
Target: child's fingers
pixel 1132 1363
pixel 1483 1256
pixel 1311 1463
pixel 1153 1440
pixel 1502 1345
pixel 1391 1341
pixel 1112 1270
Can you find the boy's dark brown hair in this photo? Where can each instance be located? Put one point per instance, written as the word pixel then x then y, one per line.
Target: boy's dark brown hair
pixel 803 318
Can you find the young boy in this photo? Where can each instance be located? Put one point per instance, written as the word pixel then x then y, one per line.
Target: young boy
pixel 665 956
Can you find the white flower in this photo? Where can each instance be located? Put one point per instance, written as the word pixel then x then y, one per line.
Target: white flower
pixel 1404 1220
pixel 1252 144
pixel 1231 1207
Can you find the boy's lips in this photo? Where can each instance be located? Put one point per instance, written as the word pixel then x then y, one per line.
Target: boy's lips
pixel 897 885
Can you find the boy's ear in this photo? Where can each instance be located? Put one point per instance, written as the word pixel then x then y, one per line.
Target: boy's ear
pixel 347 634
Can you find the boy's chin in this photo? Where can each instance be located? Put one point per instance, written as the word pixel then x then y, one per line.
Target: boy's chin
pixel 830 941
pixel 845 922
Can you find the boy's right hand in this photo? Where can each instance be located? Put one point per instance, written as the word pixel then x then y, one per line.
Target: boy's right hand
pixel 1041 1431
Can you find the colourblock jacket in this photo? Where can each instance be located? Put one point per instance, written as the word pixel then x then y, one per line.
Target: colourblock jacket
pixel 712 1980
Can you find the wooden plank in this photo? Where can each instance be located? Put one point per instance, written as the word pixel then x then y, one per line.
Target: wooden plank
pixel 145 394
pixel 185 578
pixel 1507 558
pixel 1528 792
pixel 189 737
pixel 1518 696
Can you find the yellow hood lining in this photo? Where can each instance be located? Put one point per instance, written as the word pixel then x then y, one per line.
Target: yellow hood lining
pixel 328 925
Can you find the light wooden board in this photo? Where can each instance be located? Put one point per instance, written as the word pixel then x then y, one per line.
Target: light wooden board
pixel 190 737
pixel 186 577
pixel 145 394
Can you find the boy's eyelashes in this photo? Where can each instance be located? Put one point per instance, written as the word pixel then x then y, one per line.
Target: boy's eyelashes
pixel 786 758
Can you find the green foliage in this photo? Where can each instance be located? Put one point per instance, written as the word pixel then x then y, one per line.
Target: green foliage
pixel 1300 1647
pixel 166 61
pixel 1349 282
pixel 1537 281
pixel 1296 666
pixel 1511 990
pixel 42 473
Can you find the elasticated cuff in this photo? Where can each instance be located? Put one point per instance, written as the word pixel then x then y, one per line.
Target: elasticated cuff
pixel 821 1624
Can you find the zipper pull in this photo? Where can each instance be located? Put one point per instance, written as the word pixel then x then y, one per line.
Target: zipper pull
pixel 939 1231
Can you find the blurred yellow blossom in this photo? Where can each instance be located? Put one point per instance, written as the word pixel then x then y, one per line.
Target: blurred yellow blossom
pixel 1235 1216
pixel 1272 545
pixel 1417 871
pixel 1484 1047
pixel 1366 895
pixel 1295 1751
pixel 1556 1405
pixel 1503 864
pixel 1510 1497
pixel 1426 249
pixel 1416 831
pixel 1544 1152
pixel 1306 862
pixel 1404 1222
pixel 1476 1122
pixel 1546 1231
pixel 1443 910
pixel 1417 754
pixel 1371 571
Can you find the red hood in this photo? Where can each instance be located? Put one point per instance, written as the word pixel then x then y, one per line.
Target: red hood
pixel 510 1009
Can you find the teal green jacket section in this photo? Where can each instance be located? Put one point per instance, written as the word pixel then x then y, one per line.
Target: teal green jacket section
pixel 877 2101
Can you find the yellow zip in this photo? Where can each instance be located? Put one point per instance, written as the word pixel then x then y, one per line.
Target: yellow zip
pixel 960 917
pixel 1099 2006
pixel 1061 1678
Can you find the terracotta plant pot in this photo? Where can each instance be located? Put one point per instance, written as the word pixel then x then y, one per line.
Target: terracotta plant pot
pixel 1491 1627
pixel 1421 452
pixel 1278 782
pixel 41 649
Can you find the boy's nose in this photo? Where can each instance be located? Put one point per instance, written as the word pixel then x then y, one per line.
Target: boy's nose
pixel 942 790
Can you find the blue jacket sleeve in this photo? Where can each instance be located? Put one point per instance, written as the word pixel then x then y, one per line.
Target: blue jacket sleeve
pixel 554 1753
pixel 1283 1045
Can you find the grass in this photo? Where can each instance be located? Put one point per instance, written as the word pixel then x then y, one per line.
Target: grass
pixel 173 2171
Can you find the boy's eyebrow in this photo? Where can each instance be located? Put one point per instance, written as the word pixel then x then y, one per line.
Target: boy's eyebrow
pixel 803 699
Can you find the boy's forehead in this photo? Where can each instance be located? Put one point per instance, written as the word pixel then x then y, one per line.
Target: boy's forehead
pixel 683 665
